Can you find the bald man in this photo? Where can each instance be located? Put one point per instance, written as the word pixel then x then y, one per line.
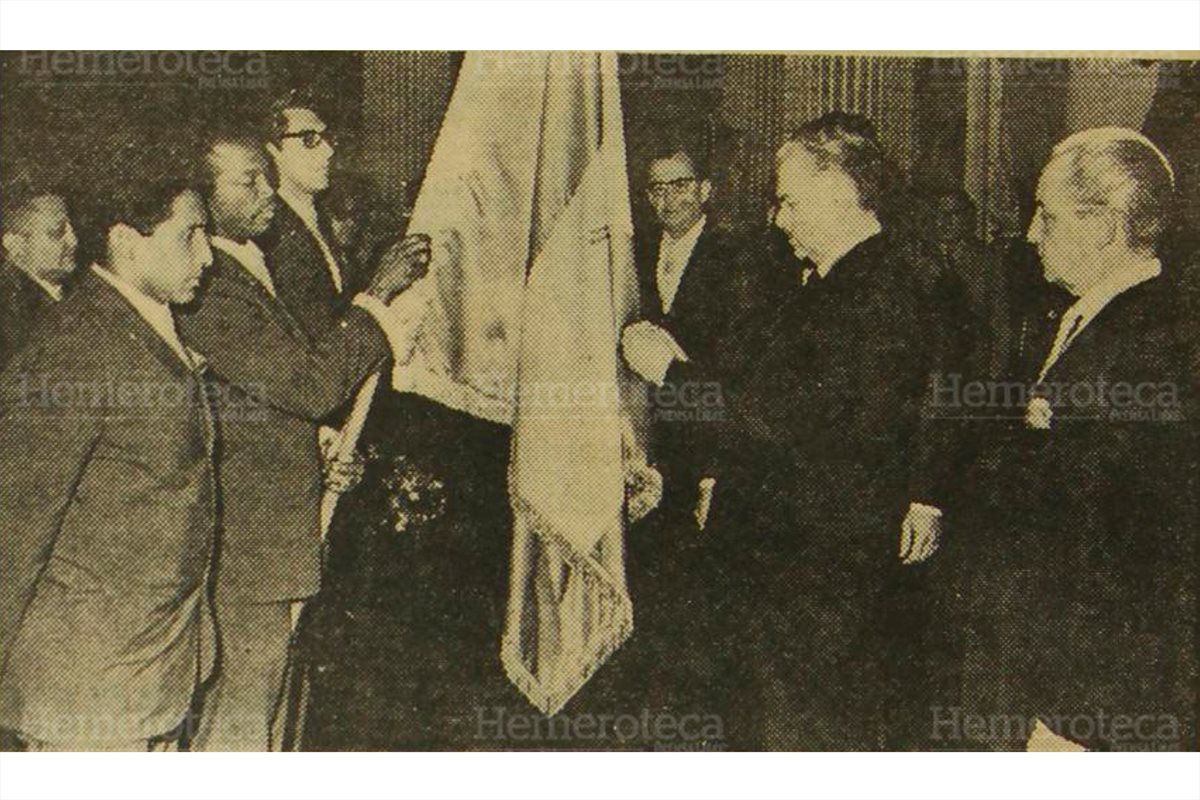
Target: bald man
pixel 1083 591
pixel 39 257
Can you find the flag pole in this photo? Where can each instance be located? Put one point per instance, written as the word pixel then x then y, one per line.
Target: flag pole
pixel 347 442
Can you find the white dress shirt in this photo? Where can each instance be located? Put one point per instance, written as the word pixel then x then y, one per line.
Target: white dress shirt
pixel 1092 302
pixel 157 314
pixel 673 257
pixel 304 207
pixel 250 257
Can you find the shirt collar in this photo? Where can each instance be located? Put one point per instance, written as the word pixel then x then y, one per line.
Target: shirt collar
pixel 156 313
pixel 54 290
pixel 1093 301
pixel 235 248
pixel 686 242
pixel 249 255
pixel 303 204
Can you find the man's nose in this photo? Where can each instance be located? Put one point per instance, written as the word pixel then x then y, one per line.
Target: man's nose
pixel 1033 234
pixel 206 256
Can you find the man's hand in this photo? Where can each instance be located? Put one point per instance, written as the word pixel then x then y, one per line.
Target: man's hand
pixel 1043 740
pixel 920 533
pixel 402 265
pixel 342 476
pixel 704 500
pixel 643 491
pixel 649 351
pixel 337 475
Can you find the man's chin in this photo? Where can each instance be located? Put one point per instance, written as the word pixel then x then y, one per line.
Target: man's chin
pixel 186 294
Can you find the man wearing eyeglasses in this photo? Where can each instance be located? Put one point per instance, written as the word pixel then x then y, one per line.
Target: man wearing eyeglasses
pixel 312 277
pixel 693 280
pixel 682 273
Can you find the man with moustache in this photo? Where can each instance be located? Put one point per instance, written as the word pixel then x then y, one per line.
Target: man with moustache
pixel 694 282
pixel 108 489
pixel 690 285
pixel 39 258
pixel 275 385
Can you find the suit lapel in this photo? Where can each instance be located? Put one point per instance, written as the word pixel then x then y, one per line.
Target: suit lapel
pixel 108 302
pixel 693 280
pixel 238 279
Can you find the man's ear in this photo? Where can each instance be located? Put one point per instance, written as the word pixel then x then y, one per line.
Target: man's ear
pixel 14 244
pixel 705 191
pixel 1109 230
pixel 124 243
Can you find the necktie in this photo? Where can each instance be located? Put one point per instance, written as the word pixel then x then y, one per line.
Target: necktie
pixel 1060 345
pixel 666 283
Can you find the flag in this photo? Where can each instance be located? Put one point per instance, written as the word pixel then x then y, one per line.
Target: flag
pixel 526 202
pixel 569 608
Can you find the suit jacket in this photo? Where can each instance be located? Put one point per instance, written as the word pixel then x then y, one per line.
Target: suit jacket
pixel 301 275
pixel 1085 571
pixel 22 304
pixel 719 284
pixel 107 536
pixel 274 384
pixel 821 404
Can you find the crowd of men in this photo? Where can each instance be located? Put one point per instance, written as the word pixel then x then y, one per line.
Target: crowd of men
pixel 163 459
pixel 891 404
pixel 946 498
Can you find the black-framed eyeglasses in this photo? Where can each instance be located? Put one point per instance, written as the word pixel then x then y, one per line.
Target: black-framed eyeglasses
pixel 312 139
pixel 677 186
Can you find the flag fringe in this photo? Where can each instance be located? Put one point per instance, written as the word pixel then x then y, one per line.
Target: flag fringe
pixel 615 616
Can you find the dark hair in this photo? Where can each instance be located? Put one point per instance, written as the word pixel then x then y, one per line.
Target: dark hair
pixel 276 122
pixel 671 148
pixel 20 188
pixel 848 142
pixel 137 186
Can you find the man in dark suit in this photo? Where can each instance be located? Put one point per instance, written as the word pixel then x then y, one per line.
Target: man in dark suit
pixel 276 384
pixel 822 401
pixel 691 284
pixel 695 281
pixel 39 257
pixel 108 488
pixel 313 278
pixel 1082 545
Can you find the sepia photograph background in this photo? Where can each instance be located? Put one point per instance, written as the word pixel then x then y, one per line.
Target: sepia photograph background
pixel 951 118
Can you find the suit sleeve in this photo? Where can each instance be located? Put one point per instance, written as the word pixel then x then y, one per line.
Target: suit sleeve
pixel 46 442
pixel 246 347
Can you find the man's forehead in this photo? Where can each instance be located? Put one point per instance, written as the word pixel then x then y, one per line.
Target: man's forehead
pixel 303 119
pixel 1051 185
pixel 238 157
pixel 797 166
pixel 44 210
pixel 671 167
